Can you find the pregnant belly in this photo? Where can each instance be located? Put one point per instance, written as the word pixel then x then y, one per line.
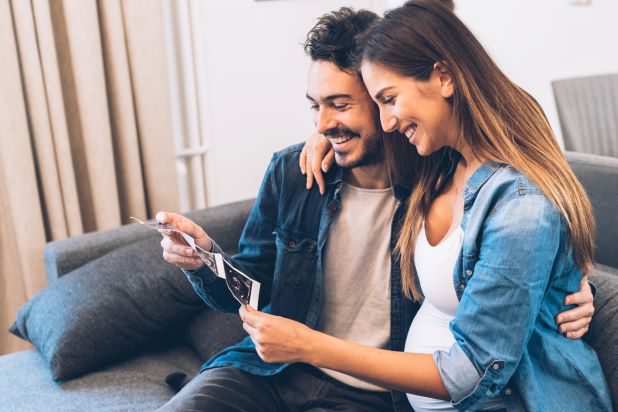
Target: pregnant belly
pixel 429 332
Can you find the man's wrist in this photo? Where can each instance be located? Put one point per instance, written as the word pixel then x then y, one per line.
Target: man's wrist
pixel 311 346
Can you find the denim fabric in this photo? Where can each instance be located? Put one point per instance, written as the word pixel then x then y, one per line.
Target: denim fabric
pixel 282 246
pixel 515 268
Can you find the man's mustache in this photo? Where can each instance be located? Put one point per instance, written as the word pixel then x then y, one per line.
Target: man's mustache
pixel 334 132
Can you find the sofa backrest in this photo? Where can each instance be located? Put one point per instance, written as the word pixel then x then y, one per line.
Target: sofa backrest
pixel 599 176
pixel 224 223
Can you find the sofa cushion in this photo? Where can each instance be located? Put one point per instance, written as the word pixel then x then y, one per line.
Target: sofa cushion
pixel 603 333
pixel 135 385
pixel 212 331
pixel 101 311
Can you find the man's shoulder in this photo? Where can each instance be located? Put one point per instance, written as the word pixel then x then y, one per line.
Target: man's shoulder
pixel 290 183
pixel 284 166
pixel 289 153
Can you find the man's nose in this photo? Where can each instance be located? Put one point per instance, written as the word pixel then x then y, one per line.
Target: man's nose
pixel 389 122
pixel 325 121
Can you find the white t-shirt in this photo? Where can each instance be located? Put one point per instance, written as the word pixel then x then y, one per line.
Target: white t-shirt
pixel 357 273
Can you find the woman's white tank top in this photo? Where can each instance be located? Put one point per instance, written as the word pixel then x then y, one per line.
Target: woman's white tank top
pixel 430 329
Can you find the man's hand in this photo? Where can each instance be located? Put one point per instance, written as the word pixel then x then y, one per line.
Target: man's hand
pixel 276 339
pixel 316 158
pixel 175 250
pixel 574 323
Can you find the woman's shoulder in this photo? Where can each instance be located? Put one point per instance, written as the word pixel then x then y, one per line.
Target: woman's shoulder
pixel 510 189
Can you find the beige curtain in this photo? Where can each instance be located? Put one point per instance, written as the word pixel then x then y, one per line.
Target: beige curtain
pixel 85 130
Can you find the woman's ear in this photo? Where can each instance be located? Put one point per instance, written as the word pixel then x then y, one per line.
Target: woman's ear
pixel 446 81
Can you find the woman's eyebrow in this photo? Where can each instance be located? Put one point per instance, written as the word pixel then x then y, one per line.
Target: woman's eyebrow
pixel 379 94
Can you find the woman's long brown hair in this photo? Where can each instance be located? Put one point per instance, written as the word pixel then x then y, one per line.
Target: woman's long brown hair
pixel 497 119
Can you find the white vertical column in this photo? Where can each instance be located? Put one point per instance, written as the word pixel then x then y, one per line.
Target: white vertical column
pixel 183 47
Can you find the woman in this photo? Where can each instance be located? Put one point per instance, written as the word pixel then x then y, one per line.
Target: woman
pixel 508 215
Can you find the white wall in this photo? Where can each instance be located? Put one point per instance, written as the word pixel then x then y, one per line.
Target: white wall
pixel 255 77
pixel 254 70
pixel 537 41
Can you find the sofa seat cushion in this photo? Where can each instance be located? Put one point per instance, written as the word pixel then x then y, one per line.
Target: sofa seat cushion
pixel 211 331
pixel 137 384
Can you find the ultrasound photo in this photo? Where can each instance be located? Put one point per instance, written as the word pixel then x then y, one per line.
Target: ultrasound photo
pixel 244 289
pixel 207 257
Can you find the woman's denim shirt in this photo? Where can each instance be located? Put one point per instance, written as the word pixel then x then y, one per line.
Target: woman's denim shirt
pixel 514 270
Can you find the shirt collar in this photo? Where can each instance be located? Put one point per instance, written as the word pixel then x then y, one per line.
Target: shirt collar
pixel 479 177
pixel 334 176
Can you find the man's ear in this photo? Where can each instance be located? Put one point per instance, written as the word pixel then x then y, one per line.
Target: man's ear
pixel 446 81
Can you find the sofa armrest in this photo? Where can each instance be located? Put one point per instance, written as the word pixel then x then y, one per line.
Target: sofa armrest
pixel 223 223
pixel 66 255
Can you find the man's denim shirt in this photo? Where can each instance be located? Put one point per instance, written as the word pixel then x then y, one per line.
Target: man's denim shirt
pixel 514 270
pixel 282 246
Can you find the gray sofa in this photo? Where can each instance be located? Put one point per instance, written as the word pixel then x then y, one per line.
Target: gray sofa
pixel 134 379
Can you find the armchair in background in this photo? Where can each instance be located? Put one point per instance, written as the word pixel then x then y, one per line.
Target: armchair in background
pixel 588 112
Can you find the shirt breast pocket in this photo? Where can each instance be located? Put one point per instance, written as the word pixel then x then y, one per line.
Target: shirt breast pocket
pixel 296 258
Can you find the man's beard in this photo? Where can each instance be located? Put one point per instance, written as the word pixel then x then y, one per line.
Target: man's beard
pixel 372 150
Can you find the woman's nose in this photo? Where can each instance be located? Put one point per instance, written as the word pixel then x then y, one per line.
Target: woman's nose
pixel 389 122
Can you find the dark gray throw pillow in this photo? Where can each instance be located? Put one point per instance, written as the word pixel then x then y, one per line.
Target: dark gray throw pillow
pixel 603 333
pixel 107 309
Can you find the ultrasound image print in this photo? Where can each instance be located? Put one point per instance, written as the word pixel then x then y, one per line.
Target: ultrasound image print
pixel 239 286
pixel 161 227
pixel 245 290
pixel 208 258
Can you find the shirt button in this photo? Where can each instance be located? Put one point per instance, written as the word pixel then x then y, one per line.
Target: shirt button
pixel 496 366
pixel 462 286
pixel 508 391
pixel 332 208
pixel 468 272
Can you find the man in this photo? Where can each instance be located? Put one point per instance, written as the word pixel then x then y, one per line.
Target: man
pixel 324 260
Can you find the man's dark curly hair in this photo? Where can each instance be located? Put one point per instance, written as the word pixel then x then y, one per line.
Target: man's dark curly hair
pixel 333 38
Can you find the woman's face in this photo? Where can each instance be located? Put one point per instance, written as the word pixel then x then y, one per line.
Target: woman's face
pixel 420 110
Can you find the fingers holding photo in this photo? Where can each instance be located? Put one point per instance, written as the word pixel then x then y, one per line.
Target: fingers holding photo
pixel 180 254
pixel 277 339
pixel 185 225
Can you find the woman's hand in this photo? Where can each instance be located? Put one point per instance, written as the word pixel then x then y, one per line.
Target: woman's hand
pixel 277 339
pixel 316 158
